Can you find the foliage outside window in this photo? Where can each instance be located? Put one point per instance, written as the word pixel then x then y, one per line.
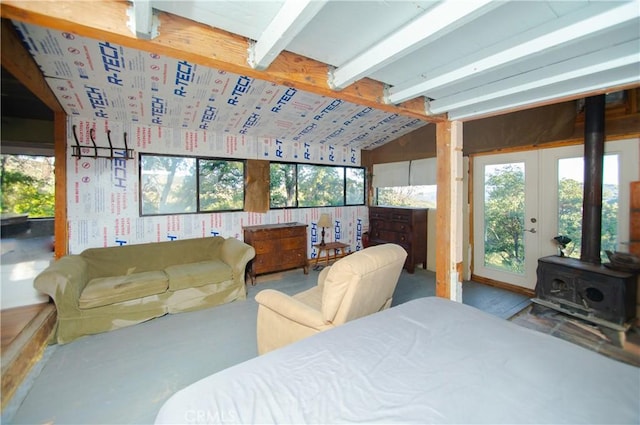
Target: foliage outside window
pixel 423 196
pixel 570 198
pixel 354 181
pixel 304 185
pixel 221 186
pixel 183 185
pixel 282 185
pixel 28 185
pixel 504 217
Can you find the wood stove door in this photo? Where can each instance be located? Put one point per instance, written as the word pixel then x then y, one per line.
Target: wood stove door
pixel 505 199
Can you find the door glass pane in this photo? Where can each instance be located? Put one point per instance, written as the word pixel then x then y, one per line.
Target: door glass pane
pixel 570 195
pixel 504 212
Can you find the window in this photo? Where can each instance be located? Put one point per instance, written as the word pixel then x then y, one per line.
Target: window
pixel 221 186
pixel 423 196
pixel 304 185
pixel 183 185
pixel 406 183
pixel 282 185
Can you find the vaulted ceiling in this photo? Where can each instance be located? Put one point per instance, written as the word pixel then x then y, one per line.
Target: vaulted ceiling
pixel 464 58
pixel 390 65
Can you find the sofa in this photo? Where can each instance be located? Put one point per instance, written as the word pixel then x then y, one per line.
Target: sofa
pixel 103 289
pixel 355 286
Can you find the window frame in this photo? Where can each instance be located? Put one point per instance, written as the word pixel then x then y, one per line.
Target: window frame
pixel 197 200
pixel 344 186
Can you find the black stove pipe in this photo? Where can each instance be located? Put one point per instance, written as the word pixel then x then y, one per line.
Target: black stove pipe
pixel 593 164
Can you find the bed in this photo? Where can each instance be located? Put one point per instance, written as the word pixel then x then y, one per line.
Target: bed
pixel 429 360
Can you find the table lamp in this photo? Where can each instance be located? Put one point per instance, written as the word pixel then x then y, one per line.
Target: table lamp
pixel 324 221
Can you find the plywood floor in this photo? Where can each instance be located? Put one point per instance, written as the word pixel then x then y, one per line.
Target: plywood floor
pixel 14 320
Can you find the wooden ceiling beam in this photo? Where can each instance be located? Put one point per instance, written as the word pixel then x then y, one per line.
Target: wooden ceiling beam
pixel 182 38
pixel 21 65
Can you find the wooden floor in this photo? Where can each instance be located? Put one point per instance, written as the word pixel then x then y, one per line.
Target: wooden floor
pixel 14 320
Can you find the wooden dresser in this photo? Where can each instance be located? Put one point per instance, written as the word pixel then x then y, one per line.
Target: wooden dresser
pixel 278 247
pixel 406 227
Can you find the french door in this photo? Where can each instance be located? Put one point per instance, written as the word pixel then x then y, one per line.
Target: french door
pixel 506 221
pixel 522 201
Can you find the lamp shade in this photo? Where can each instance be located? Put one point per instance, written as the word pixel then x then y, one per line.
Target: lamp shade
pixel 324 221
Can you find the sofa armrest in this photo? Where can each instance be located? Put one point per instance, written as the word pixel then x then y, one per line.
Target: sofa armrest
pixel 290 308
pixel 64 281
pixel 236 254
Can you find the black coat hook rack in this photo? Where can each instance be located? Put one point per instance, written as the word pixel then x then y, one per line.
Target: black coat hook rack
pixel 100 151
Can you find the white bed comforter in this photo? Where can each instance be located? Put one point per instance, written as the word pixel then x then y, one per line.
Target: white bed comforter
pixel 429 360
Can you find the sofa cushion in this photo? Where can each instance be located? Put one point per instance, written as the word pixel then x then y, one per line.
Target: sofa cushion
pixel 109 290
pixel 202 273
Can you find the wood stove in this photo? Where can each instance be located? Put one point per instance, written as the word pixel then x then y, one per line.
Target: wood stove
pixel 585 288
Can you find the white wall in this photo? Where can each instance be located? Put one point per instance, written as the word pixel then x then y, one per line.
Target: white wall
pixel 103 194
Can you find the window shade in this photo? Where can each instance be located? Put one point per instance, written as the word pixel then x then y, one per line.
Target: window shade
pixel 391 174
pixel 423 172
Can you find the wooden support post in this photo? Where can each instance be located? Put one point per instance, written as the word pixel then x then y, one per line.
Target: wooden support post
pixel 61 228
pixel 449 212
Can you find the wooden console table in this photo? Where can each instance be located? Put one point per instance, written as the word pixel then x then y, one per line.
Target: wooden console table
pixel 326 248
pixel 278 247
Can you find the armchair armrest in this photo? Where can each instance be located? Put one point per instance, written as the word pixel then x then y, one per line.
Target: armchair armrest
pixel 64 281
pixel 290 308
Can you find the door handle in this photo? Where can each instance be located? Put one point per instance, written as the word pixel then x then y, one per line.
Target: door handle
pixel 532 230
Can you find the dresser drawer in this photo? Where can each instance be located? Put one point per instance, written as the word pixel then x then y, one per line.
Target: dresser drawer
pixel 392 237
pixel 277 233
pixel 376 214
pixel 400 216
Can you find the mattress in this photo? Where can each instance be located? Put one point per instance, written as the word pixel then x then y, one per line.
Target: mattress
pixel 429 360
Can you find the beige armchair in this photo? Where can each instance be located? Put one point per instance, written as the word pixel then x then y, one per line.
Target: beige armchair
pixel 355 286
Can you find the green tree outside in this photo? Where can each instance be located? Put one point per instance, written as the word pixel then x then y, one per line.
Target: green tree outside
pixel 221 185
pixel 28 185
pixel 570 198
pixel 320 186
pixel 504 218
